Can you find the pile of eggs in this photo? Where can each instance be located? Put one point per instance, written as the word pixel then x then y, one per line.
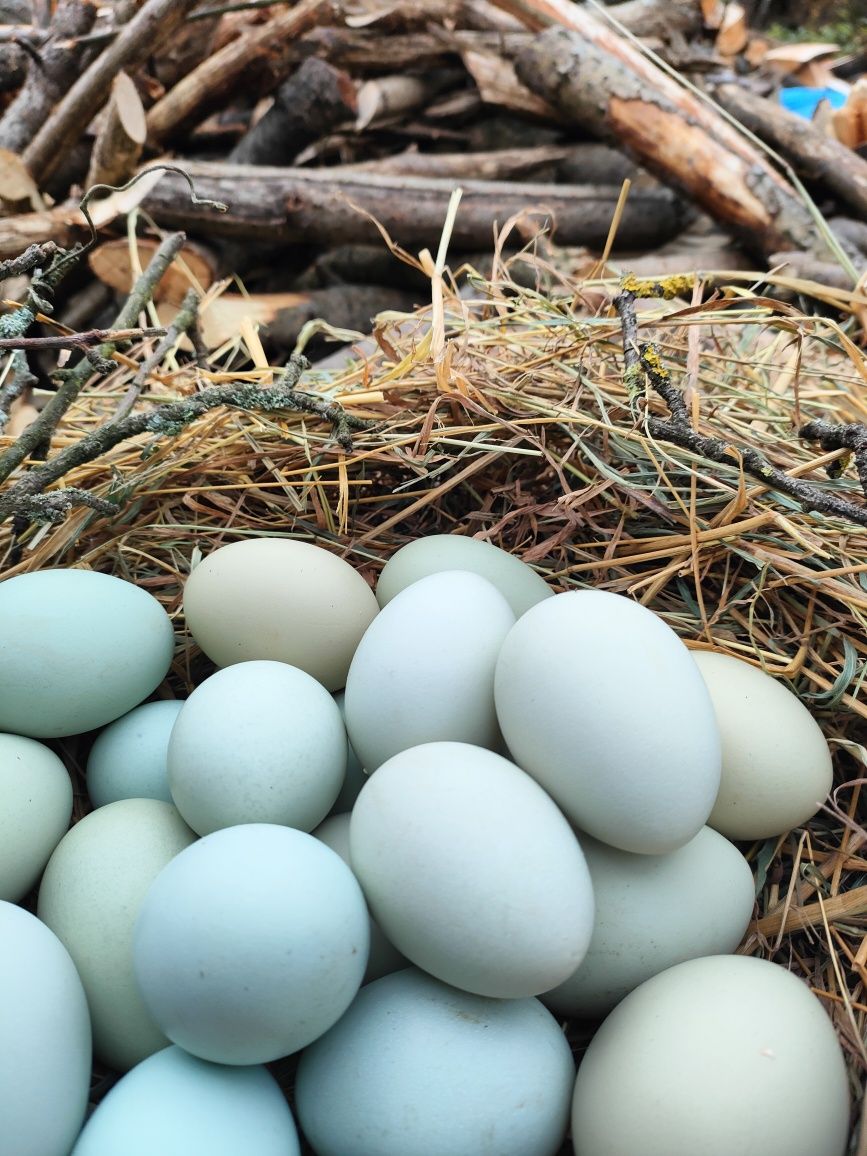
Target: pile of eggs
pixel 402 838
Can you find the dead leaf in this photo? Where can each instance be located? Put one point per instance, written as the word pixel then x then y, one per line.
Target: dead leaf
pixel 16 183
pixel 791 57
pixel 712 12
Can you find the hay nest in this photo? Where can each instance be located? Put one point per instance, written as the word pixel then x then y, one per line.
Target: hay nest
pixel 503 414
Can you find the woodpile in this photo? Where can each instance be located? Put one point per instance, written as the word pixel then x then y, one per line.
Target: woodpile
pixel 326 125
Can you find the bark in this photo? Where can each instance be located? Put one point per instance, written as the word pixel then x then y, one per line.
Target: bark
pixel 601 82
pixel 328 206
pixel 658 18
pixel 495 165
pixel 811 153
pixel 60 63
pixel 315 99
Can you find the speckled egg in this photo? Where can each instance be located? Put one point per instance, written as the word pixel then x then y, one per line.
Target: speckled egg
pixel 128 758
pixel 37 805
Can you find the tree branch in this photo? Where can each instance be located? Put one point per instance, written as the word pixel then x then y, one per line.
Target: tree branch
pixel 642 362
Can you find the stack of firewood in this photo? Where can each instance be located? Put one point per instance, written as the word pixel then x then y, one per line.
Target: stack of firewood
pixel 325 125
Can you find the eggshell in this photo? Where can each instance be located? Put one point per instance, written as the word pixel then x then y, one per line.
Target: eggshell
pixel 384 957
pixel 653 911
pixel 258 742
pixel 471 871
pixel 601 702
pixel 77 649
pixel 776 766
pixel 356 776
pixel 37 806
pixel 424 671
pixel 128 758
pixel 718 1055
pixel 44 1039
pixel 416 1067
pixel 173 1104
pixel 90 895
pixel 251 943
pixel 519 584
pixel 279 599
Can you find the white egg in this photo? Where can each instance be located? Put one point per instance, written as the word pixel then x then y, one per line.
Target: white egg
pixel 90 896
pixel 37 805
pixel 128 758
pixel 258 742
pixel 424 670
pixel 722 1055
pixel 44 1040
pixel 776 766
pixel 77 650
pixel 520 585
pixel 471 870
pixel 653 911
pixel 384 957
pixel 274 598
pixel 416 1068
pixel 173 1104
pixel 601 702
pixel 251 943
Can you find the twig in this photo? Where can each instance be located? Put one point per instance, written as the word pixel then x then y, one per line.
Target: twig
pixel 20 379
pixel 155 21
pixel 186 319
pixel 26 496
pixel 74 340
pixel 641 362
pixel 74 379
pixel 830 436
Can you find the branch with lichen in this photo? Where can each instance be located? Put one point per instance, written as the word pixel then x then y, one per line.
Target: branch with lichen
pixel 642 364
pixel 73 380
pixel 27 497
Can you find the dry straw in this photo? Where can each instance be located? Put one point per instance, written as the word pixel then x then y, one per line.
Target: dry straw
pixel 508 419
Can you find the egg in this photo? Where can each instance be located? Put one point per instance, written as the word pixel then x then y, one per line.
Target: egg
pixel 776 765
pixel 471 870
pixel 128 758
pixel 44 1039
pixel 77 650
pixel 355 774
pixel 601 702
pixel 416 1068
pixel 653 911
pixel 424 670
pixel 275 598
pixel 519 584
pixel 251 943
pixel 258 742
pixel 90 896
pixel 384 956
pixel 37 806
pixel 173 1104
pixel 721 1055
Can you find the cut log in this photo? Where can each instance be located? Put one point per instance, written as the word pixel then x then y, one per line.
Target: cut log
pixel 330 206
pixel 194 268
pixel 120 140
pixel 315 99
pixel 257 60
pixel 811 153
pixel 604 84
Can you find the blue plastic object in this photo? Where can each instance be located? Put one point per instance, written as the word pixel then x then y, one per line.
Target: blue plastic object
pixel 803 101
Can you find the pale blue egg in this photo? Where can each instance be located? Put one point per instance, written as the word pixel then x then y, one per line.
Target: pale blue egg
pixel 173 1104
pixel 44 1039
pixel 416 1067
pixel 128 759
pixel 77 650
